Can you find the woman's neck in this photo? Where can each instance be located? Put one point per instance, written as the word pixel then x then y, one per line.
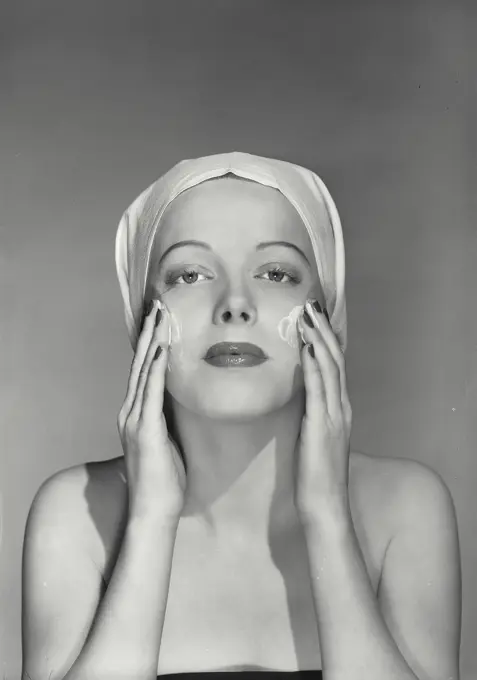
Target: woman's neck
pixel 240 473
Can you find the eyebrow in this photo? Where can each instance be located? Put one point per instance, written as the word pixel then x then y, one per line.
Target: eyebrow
pixel 181 244
pixel 286 244
pixel 260 246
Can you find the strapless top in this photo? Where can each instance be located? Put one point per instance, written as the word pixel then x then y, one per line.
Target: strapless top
pixel 246 675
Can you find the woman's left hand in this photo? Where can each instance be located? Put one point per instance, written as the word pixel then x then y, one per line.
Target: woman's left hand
pixel 321 480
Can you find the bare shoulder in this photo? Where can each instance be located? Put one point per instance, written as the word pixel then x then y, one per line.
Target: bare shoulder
pixel 400 488
pixel 71 527
pixel 84 502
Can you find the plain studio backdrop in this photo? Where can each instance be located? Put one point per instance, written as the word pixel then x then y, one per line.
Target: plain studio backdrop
pixel 100 98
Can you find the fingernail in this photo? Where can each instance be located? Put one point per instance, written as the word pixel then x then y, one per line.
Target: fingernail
pixel 158 352
pixel 326 314
pixel 311 351
pixel 146 311
pixel 307 319
pixel 158 317
pixel 316 305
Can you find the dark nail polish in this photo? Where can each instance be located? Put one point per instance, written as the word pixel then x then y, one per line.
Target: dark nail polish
pixel 326 314
pixel 311 351
pixel 145 312
pixel 158 317
pixel 316 305
pixel 158 352
pixel 307 319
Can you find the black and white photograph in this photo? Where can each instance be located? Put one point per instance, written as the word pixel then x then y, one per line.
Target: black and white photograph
pixel 238 286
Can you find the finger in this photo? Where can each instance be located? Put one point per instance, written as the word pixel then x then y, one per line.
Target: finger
pixel 325 364
pixel 153 394
pixel 160 337
pixel 316 401
pixel 321 321
pixel 144 341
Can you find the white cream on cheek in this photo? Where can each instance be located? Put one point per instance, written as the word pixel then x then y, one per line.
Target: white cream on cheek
pixel 178 357
pixel 287 327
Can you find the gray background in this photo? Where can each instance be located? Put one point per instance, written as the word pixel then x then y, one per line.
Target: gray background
pixel 98 99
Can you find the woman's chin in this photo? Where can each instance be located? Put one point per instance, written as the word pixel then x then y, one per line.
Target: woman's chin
pixel 235 405
pixel 237 394
pixel 235 414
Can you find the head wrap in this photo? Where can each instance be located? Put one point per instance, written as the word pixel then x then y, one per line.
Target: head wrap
pixel 305 191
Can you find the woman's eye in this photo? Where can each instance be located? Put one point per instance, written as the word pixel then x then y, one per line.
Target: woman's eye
pixel 277 275
pixel 189 277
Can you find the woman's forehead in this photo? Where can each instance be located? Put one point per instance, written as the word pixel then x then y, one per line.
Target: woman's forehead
pixel 241 206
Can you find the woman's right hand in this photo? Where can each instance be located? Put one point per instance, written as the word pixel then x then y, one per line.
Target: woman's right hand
pixel 154 467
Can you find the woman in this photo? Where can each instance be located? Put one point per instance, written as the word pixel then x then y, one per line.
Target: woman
pixel 238 532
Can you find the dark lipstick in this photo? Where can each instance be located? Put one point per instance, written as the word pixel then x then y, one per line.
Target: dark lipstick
pixel 235 355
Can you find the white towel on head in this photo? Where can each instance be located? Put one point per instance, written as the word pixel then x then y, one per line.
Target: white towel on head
pixel 303 188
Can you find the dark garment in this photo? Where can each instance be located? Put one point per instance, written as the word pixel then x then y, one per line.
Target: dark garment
pixel 245 675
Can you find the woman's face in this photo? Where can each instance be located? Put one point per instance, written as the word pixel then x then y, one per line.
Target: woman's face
pixel 231 261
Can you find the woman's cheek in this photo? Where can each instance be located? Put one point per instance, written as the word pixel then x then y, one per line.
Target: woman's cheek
pixel 287 328
pixel 175 335
pixel 182 344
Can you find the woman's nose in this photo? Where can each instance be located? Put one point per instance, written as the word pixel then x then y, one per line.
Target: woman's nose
pixel 238 310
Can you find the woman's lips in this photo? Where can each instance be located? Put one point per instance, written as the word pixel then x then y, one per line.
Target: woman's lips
pixel 235 355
